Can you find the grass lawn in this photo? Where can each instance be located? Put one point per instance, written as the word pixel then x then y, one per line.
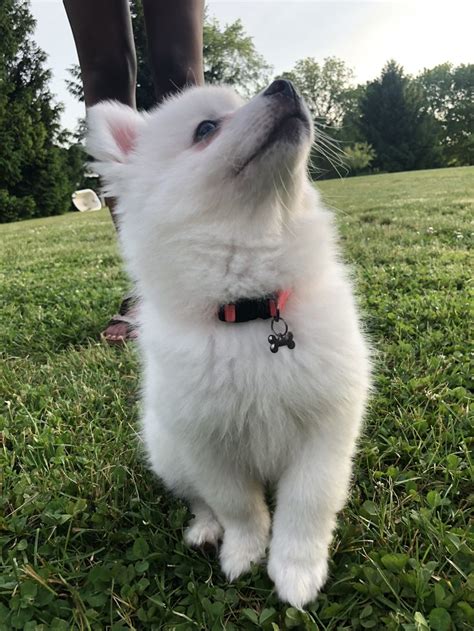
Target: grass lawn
pixel 90 540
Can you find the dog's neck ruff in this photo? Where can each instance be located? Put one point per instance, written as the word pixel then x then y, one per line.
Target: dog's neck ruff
pixel 246 309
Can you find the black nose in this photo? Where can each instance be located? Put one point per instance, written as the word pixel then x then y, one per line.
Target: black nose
pixel 283 87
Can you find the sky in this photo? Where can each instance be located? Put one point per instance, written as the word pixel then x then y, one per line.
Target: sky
pixel 417 33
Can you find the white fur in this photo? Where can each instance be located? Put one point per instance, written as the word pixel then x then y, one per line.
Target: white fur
pixel 222 415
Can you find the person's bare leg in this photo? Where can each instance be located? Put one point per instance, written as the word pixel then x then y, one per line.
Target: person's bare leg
pixel 102 31
pixel 174 33
pixel 104 40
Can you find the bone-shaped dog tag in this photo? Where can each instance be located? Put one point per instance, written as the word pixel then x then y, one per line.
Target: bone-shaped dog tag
pixel 283 338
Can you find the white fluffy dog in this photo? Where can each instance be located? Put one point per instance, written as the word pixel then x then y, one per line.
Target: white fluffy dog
pixel 227 239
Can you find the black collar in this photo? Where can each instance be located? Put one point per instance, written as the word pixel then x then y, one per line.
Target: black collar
pixel 247 309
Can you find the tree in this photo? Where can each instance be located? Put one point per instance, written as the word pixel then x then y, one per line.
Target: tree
pixel 395 121
pixel 449 93
pixel 327 91
pixel 359 157
pixel 229 57
pixel 325 88
pixel 146 98
pixel 32 180
pixel 351 126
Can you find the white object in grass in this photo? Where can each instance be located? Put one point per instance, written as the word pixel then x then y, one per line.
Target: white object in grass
pixel 86 199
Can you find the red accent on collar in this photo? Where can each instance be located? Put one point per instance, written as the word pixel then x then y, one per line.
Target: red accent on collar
pixel 283 298
pixel 229 313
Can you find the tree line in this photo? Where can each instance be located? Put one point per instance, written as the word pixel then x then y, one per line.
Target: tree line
pixel 395 122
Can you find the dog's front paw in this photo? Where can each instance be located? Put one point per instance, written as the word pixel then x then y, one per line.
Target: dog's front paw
pixel 202 531
pixel 297 582
pixel 239 550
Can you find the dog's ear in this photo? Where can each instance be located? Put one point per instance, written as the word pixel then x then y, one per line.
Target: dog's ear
pixel 112 131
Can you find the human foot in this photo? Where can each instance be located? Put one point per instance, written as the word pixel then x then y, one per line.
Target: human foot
pixel 122 327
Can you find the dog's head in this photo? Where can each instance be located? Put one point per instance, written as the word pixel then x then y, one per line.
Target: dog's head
pixel 207 145
pixel 202 175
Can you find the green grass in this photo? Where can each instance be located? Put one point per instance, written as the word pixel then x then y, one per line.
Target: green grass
pixel 90 540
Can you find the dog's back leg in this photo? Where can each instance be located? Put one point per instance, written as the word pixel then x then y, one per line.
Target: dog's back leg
pixel 239 505
pixel 204 527
pixel 173 466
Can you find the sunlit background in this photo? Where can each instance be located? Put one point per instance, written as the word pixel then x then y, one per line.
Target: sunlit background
pixel 417 34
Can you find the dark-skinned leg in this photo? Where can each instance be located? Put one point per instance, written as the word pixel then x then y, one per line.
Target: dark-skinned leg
pixel 174 34
pixel 102 31
pixel 108 64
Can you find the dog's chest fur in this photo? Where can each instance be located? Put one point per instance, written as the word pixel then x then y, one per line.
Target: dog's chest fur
pixel 218 382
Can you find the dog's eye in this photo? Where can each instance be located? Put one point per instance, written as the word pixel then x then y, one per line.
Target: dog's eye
pixel 204 129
